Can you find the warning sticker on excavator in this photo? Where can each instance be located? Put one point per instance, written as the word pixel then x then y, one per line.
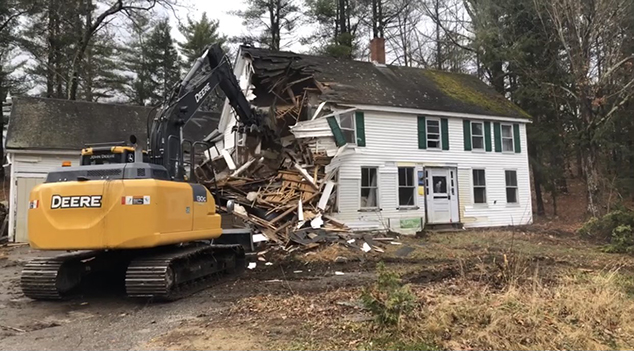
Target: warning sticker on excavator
pixel 135 200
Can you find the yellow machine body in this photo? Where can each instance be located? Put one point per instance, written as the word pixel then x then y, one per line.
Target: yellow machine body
pixel 120 214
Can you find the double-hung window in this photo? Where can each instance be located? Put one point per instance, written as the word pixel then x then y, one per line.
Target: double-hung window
pixel 406 187
pixel 346 123
pixel 511 186
pixel 433 134
pixel 477 136
pixel 369 188
pixel 479 187
pixel 507 138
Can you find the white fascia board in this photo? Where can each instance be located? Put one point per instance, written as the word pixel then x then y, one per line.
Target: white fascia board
pixel 415 111
pixel 44 152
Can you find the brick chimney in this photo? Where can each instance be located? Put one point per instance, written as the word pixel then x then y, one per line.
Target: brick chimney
pixel 377 50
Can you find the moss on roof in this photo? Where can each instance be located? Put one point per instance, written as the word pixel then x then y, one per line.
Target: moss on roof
pixel 461 87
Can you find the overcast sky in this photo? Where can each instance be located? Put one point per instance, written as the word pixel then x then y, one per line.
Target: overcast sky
pixel 216 9
pixel 230 25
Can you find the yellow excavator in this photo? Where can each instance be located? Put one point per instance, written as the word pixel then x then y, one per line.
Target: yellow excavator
pixel 139 210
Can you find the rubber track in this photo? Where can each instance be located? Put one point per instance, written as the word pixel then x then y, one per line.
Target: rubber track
pixel 146 276
pixel 39 279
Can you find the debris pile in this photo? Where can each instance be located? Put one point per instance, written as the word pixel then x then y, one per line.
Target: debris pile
pixel 286 203
pixel 284 184
pixel 288 194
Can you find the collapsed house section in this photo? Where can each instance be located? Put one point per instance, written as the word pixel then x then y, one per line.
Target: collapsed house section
pixel 286 187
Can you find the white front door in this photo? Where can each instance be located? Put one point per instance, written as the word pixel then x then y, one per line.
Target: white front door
pixel 442 195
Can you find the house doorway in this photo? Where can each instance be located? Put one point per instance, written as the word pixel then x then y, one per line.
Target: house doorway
pixel 441 189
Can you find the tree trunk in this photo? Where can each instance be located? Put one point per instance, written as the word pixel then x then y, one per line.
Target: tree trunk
pixel 2 98
pixel 438 46
pixel 497 77
pixel 381 24
pixel 342 17
pixel 537 184
pixel 579 163
pixel 537 180
pixel 553 195
pixel 375 16
pixel 50 69
pixel 589 167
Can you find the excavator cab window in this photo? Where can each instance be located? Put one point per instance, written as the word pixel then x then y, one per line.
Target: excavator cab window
pixel 109 156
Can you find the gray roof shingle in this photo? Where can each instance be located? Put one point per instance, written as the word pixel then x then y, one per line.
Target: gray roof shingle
pixel 42 123
pixel 358 82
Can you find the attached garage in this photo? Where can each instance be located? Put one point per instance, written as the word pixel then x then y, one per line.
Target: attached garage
pixel 45 132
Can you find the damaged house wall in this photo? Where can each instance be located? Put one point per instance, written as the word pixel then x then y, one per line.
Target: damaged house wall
pixel 357 126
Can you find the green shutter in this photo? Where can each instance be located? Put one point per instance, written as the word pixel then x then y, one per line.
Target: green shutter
pixel 340 140
pixel 422 133
pixel 360 123
pixel 466 131
pixel 516 138
pixel 444 131
pixel 487 136
pixel 497 134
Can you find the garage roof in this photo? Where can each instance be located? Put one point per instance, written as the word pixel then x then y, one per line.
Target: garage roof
pixel 42 123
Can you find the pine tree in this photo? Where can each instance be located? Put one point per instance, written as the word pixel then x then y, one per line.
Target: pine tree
pixel 198 36
pixel 272 18
pixel 339 25
pixel 101 77
pixel 163 61
pixel 139 87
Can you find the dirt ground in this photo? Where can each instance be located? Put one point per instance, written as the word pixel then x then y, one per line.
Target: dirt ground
pixel 300 303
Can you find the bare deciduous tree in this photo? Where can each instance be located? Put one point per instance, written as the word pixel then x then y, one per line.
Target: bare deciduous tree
pixel 593 37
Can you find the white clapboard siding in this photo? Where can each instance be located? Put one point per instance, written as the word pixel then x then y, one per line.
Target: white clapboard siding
pixel 392 139
pixel 27 170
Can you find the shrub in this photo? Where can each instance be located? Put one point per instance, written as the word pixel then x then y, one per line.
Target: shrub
pixel 388 299
pixel 622 240
pixel 603 228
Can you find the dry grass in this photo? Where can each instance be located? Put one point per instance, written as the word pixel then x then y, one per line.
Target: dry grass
pixel 591 311
pixel 332 253
pixel 506 291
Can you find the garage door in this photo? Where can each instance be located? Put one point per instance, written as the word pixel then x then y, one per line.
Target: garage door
pixel 24 187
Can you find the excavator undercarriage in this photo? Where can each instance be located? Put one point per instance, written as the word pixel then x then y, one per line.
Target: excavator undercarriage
pixel 166 273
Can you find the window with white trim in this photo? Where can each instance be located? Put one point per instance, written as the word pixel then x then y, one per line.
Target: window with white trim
pixel 433 133
pixel 477 136
pixel 406 187
pixel 479 187
pixel 347 125
pixel 511 186
pixel 369 188
pixel 507 138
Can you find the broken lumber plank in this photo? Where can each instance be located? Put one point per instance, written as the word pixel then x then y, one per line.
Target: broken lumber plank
pixel 287 212
pixel 228 159
pixel 335 221
pixel 306 175
pixel 325 195
pixel 245 166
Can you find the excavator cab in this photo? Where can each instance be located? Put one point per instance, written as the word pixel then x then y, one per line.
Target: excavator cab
pixel 109 153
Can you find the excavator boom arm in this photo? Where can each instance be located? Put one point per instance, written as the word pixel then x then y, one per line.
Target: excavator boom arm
pixel 209 71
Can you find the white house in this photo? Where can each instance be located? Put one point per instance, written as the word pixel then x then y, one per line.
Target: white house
pixel 411 147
